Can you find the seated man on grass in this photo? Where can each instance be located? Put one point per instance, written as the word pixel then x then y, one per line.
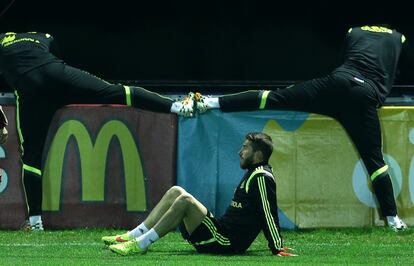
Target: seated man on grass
pixel 252 209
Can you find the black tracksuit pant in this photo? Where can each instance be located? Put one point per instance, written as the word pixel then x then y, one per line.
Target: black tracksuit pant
pixel 42 91
pixel 339 95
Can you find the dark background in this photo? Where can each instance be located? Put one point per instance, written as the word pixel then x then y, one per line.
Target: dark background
pixel 201 40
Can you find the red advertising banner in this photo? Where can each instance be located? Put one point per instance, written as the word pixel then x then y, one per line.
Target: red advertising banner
pixel 104 166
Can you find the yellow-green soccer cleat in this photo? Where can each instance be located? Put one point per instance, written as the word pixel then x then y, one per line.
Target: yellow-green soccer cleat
pixel 110 240
pixel 128 248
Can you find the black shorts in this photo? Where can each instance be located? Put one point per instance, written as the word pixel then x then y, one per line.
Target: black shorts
pixel 209 237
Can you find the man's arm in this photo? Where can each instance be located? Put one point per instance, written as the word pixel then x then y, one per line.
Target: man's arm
pixel 265 191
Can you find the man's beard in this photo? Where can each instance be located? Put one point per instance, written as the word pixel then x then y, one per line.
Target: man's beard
pixel 246 163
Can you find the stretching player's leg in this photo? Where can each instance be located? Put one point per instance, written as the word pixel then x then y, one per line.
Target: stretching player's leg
pixel 310 96
pixel 81 87
pixel 184 209
pixel 32 178
pixel 363 126
pixel 32 183
pixel 145 99
pixel 32 121
pixel 155 215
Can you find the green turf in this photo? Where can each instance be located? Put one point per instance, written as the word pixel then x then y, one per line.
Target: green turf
pixel 83 247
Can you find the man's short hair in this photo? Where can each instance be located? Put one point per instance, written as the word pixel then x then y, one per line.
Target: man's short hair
pixel 261 142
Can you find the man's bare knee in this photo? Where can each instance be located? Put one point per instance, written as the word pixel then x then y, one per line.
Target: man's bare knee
pixel 175 191
pixel 184 202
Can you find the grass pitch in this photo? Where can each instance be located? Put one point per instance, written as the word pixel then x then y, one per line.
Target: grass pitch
pixel 83 247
